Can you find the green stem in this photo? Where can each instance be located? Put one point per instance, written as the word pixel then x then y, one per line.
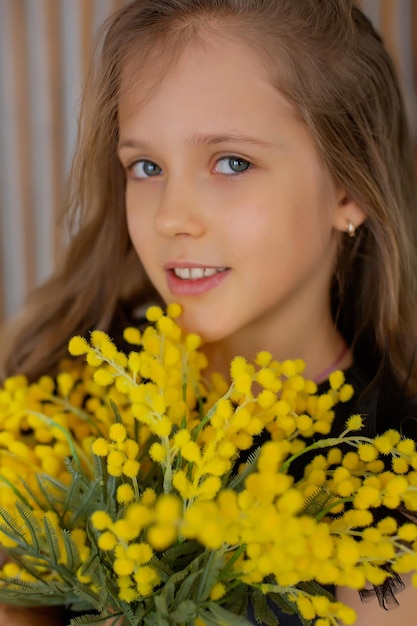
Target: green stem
pixel 135 488
pixel 324 443
pixel 168 468
pixel 233 559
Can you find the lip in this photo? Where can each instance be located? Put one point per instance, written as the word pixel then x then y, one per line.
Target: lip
pixel 192 287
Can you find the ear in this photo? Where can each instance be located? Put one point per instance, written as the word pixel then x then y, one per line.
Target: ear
pixel 347 213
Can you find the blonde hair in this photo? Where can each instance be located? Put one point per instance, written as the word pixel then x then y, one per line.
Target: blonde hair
pixel 332 66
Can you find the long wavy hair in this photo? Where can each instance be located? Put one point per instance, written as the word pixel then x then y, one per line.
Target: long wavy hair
pixel 329 62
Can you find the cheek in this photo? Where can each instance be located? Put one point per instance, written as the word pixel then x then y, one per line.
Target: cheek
pixel 138 234
pixel 257 227
pixel 137 224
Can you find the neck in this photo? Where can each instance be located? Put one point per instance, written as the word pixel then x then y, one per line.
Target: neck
pixel 317 342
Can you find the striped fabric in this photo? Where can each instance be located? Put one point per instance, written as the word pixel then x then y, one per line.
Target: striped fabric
pixel 44 49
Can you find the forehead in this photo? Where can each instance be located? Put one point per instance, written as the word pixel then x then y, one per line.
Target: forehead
pixel 224 71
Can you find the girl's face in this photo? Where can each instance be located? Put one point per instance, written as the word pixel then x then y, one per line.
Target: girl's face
pixel 229 208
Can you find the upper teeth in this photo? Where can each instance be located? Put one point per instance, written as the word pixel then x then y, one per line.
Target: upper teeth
pixel 193 273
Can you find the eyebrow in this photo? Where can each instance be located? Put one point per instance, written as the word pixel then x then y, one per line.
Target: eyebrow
pixel 207 139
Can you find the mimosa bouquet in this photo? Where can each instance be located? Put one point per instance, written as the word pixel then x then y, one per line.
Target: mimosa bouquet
pixel 122 494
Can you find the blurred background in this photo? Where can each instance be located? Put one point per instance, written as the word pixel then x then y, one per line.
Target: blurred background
pixel 45 47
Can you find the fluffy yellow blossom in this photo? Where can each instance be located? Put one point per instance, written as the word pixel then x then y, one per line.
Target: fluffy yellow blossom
pixel 367 497
pixel 386 442
pixel 115 457
pixel 126 529
pixel 399 465
pixel 174 310
pixel 263 359
pixel 162 427
pixel 103 377
pixel 158 452
pixel 191 452
pixel 345 393
pixel 192 342
pixel 355 422
pixel 161 536
pixel 336 379
pixel 406 447
pixel 78 346
pixel 367 452
pixel 107 541
pixel 131 468
pixel 123 567
pixel 407 532
pixel 117 432
pixel 306 608
pixel 154 313
pixel 217 591
pixel 132 335
pixel 101 520
pixel 267 378
pixel 128 595
pixel 141 454
pixel 140 553
pixel 125 494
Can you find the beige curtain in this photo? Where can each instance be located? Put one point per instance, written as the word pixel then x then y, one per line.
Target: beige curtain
pixel 44 49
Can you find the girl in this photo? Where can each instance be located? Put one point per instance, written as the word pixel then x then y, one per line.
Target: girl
pixel 250 160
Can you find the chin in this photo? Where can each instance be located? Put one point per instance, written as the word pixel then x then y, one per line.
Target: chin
pixel 208 330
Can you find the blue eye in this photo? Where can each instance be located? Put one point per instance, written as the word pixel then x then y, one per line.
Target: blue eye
pixel 232 165
pixel 144 169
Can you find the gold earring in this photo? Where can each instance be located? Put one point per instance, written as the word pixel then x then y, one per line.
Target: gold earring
pixel 350 228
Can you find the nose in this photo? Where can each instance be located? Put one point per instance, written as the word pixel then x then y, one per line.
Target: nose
pixel 180 211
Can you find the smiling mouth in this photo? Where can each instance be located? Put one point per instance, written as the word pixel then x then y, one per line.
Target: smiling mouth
pixel 196 273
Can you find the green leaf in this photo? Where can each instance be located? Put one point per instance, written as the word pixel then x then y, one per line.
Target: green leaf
pixel 263 614
pixel 13 532
pixel 188 588
pixel 182 551
pixel 316 502
pixel 127 610
pixel 52 540
pixel 94 619
pixel 38 593
pixel 282 602
pixel 49 499
pixel 88 498
pixel 31 523
pixel 71 551
pixel 210 574
pixel 236 599
pixel 216 615
pixel 236 483
pixel 314 589
pixel 185 612
pixel 161 607
pixel 287 606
